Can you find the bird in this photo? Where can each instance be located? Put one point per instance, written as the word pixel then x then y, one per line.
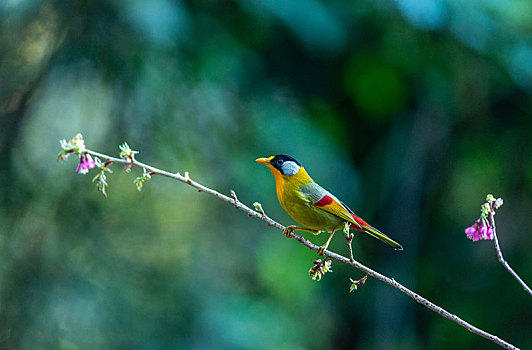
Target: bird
pixel 313 206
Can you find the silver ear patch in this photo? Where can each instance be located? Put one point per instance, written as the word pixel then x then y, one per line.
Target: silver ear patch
pixel 290 168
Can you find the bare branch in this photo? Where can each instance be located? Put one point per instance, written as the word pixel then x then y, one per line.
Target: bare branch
pixel 501 258
pixel 349 261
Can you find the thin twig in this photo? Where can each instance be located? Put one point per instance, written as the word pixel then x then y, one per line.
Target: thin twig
pixel 349 238
pixel 261 216
pixel 501 258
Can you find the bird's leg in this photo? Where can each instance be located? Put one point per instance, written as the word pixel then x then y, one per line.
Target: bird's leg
pixel 321 249
pixel 289 229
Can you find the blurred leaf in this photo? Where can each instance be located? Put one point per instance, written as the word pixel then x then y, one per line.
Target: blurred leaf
pixel 375 88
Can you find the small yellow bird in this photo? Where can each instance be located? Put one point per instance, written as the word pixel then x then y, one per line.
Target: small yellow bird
pixel 311 205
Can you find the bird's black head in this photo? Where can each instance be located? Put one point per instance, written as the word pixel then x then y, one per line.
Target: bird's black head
pixel 285 164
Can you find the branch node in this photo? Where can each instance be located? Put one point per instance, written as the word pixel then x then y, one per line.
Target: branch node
pixel 235 199
pixel 360 282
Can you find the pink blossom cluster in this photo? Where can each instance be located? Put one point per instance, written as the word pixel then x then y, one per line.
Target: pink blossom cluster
pixel 479 230
pixel 482 229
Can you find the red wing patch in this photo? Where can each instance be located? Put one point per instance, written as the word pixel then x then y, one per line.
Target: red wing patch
pixel 325 200
pixel 360 223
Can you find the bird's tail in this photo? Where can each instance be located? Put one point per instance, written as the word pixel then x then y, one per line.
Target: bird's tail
pixel 361 225
pixel 372 231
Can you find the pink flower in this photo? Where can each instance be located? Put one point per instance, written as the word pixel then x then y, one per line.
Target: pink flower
pixel 85 163
pixel 479 230
pixel 486 232
pixel 472 232
pixel 489 233
pixel 482 228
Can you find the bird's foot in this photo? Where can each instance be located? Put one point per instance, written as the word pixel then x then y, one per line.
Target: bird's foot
pixel 288 230
pixel 322 249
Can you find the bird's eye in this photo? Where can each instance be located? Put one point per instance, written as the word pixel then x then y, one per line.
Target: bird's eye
pixel 279 161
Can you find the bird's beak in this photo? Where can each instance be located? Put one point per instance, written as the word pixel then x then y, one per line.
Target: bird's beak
pixel 264 161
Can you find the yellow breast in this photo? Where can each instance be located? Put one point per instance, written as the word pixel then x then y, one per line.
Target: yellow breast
pixel 288 186
pixel 299 206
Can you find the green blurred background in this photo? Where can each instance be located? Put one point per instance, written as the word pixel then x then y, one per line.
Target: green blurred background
pixel 411 111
